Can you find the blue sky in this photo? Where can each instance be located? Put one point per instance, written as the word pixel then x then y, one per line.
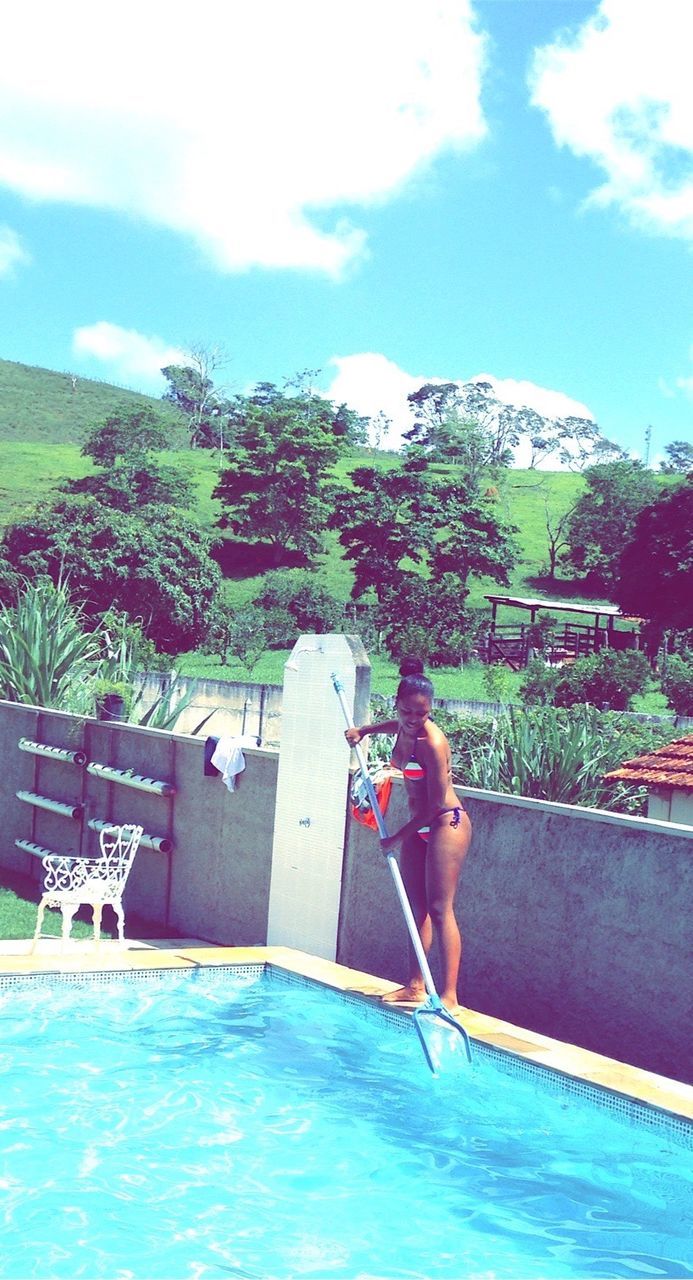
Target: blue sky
pixel 387 191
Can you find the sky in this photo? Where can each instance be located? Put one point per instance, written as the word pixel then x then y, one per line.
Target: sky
pixel 384 192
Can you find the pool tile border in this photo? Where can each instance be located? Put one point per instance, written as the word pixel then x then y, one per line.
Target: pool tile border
pixel 585 1070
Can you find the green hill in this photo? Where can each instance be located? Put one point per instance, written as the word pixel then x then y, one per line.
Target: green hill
pixel 58 408
pixel 44 416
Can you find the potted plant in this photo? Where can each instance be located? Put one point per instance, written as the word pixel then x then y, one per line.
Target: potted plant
pixel 112 699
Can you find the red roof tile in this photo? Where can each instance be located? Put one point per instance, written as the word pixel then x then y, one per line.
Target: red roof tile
pixel 669 766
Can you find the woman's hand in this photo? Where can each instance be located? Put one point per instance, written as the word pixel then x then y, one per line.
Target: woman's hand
pixel 353 736
pixel 388 844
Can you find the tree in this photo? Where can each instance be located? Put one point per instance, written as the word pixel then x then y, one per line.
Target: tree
pixel 383 520
pixel 277 487
pixel 295 601
pixel 677 682
pixel 679 458
pixel 406 517
pixel 191 389
pixel 556 533
pixel 153 565
pixel 243 633
pixel 127 432
pixel 444 413
pixel 608 680
pixel 655 571
pixel 604 517
pixel 123 446
pixel 131 487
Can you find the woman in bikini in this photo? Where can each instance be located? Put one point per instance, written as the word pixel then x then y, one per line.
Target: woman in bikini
pixel 436 838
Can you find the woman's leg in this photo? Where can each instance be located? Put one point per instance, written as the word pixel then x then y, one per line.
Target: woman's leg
pixel 412 863
pixel 447 848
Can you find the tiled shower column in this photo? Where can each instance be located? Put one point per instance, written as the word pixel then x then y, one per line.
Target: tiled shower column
pixel 311 796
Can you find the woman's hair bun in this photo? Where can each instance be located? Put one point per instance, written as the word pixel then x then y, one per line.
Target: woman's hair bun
pixel 411 667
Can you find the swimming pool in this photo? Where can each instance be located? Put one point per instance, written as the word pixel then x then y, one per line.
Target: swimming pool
pixel 229 1123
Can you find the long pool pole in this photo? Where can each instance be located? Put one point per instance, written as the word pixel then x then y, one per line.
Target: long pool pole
pixel 392 861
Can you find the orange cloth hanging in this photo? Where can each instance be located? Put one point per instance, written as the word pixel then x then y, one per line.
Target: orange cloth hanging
pixel 361 808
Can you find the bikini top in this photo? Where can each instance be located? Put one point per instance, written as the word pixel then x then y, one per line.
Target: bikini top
pixel 413 770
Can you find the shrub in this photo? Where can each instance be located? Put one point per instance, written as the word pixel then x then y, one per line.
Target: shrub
pixel 296 601
pixel 562 754
pixel 608 680
pixel 539 683
pixel 677 682
pixel 46 656
pixel 153 565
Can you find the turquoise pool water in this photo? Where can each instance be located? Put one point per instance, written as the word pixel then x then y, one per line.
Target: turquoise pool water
pixel 215 1125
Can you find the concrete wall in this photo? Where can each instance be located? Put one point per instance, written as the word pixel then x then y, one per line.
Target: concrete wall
pixel 214 884
pixel 257 708
pixel 575 924
pixel 236 708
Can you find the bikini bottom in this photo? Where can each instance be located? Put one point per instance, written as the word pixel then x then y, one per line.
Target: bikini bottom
pixel 424 832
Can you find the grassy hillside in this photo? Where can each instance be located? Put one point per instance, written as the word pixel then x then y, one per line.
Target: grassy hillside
pixel 43 418
pixel 43 406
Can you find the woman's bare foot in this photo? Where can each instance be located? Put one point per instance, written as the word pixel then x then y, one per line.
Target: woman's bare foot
pixel 413 993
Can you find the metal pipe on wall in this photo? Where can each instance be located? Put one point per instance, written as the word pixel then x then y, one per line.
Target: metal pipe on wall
pixel 161 843
pixel 52 753
pixel 127 779
pixel 53 806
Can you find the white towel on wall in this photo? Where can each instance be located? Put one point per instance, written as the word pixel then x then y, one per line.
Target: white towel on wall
pixel 228 758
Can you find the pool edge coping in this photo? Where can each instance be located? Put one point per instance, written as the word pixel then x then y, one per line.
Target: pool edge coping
pixel 672 1097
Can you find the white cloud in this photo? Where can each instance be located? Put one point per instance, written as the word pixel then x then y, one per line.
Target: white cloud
pixel 258 128
pixel 131 357
pixel 12 251
pixel 619 91
pixel 371 384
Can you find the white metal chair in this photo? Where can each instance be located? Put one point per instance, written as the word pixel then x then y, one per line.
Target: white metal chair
pixel 69 881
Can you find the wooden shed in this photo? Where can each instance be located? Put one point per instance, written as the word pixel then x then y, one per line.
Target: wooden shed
pixel 590 628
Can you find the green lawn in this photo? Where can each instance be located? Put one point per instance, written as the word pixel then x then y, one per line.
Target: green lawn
pixel 449 682
pixel 19 895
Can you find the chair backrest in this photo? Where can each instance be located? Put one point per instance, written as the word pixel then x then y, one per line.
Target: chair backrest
pixel 119 846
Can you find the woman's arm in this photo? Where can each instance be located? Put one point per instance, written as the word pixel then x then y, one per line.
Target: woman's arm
pixel 354 736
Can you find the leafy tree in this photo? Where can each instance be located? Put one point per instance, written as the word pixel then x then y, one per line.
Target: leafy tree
pixel 242 633
pixel 277 486
pixel 462 423
pixel 383 520
pixel 295 601
pixel 583 443
pixel 124 446
pixel 655 571
pixel 458 421
pixel 604 517
pixel 154 566
pixel 191 389
pixel 396 521
pixel 677 682
pixel 130 487
pixel 609 679
pixel 472 540
pixel 127 432
pixel 679 458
